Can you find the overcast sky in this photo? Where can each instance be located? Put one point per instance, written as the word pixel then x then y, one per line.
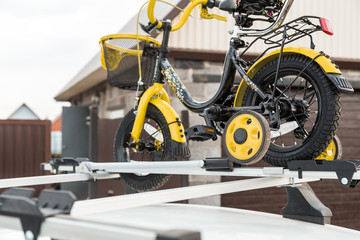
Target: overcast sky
pixel 44 44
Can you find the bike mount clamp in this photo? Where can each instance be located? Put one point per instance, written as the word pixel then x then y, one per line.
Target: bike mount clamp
pixel 18 202
pixel 218 164
pixel 71 162
pixel 302 201
pixel 344 169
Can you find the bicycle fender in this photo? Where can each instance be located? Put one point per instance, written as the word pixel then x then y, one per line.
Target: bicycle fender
pixel 329 68
pixel 179 145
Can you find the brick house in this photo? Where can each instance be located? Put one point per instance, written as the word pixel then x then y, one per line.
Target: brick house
pixel 197 52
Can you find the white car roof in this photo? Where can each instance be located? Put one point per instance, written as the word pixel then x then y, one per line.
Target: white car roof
pixel 222 223
pixel 211 222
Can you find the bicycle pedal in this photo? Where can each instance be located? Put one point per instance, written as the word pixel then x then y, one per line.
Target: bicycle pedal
pixel 200 133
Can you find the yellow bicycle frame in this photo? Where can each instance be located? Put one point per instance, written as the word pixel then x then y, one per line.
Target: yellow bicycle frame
pixel 157 96
pixel 324 63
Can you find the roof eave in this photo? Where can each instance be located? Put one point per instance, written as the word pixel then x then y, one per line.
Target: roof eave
pixel 90 75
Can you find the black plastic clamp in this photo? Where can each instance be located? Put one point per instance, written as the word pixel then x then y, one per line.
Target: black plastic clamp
pixel 344 169
pixel 18 202
pixel 57 162
pixel 218 164
pixel 305 206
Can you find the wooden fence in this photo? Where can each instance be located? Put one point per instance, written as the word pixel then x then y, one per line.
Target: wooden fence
pixel 24 145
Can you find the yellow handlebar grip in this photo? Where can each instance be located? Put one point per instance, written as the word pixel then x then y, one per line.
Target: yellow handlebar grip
pixel 150 13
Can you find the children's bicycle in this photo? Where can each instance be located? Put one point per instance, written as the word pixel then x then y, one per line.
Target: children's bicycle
pixel 286 107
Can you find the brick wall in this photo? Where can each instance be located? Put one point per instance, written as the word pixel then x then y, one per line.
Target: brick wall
pixel 200 79
pixel 343 202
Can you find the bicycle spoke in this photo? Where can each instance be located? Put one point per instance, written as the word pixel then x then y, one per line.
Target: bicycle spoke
pixel 295 78
pixel 300 114
pixel 312 102
pixel 312 94
pixel 281 79
pixel 305 88
pixel 316 112
pixel 293 135
pixel 298 91
pixel 275 140
pixel 282 141
pixel 290 88
pixel 281 93
pixel 302 90
pixel 302 129
pixel 310 121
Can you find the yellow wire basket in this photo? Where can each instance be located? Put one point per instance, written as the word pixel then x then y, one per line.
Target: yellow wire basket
pixel 119 56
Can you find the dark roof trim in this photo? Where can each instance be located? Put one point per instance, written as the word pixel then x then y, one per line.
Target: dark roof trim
pixel 348 64
pixel 25 122
pixel 220 56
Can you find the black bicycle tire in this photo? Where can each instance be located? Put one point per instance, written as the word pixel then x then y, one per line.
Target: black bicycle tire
pixel 151 181
pixel 328 122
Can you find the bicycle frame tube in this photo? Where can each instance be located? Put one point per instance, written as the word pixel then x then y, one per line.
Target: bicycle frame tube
pixel 183 94
pixel 164 71
pixel 248 81
pixel 227 80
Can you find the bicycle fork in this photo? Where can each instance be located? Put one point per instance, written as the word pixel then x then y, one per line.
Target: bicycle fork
pixel 157 96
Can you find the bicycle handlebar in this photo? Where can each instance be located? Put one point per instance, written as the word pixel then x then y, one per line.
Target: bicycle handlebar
pixel 150 13
pixel 184 17
pixel 213 3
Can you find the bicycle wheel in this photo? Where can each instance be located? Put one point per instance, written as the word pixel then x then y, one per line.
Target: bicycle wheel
pixel 309 108
pixel 246 137
pixel 155 145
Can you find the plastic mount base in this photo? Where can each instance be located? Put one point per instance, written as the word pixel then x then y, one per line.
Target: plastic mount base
pixel 305 206
pixel 18 202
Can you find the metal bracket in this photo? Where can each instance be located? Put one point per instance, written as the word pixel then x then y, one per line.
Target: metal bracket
pixel 71 162
pixel 344 169
pixel 17 202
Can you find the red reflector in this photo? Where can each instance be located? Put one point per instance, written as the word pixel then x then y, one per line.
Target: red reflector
pixel 326 26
